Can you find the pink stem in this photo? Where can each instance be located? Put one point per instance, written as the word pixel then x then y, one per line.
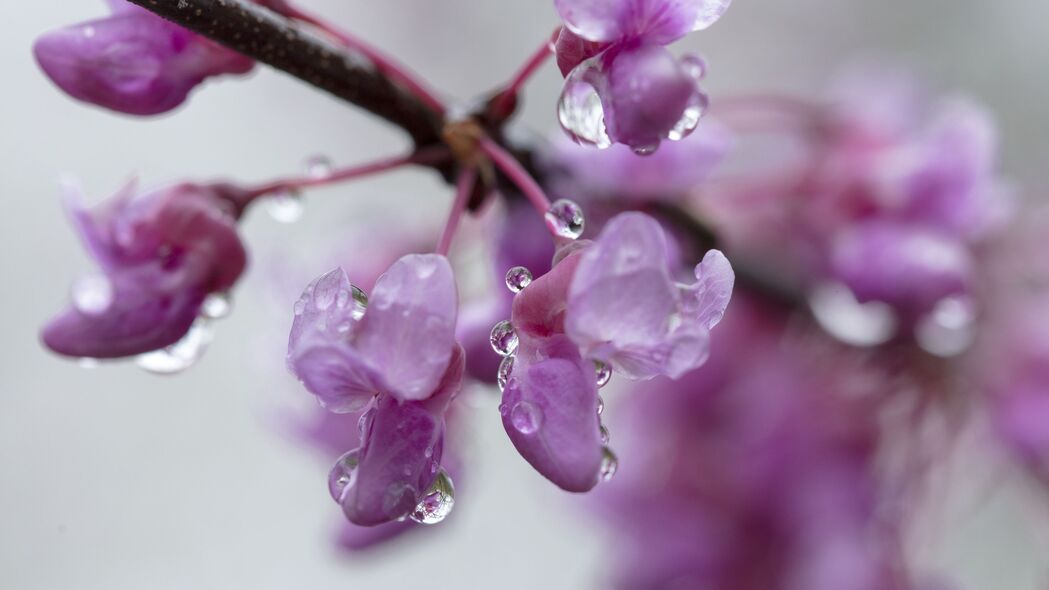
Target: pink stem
pixel 426 156
pixel 502 106
pixel 513 170
pixel 464 186
pixel 383 63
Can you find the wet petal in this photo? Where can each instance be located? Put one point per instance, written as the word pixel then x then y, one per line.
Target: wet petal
pixel 707 299
pixel 398 461
pixel 550 412
pixel 408 332
pixel 539 310
pixel 657 21
pixel 137 320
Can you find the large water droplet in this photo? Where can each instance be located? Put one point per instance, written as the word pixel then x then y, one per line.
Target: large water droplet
pixel 343 475
pixel 216 306
pixel 285 206
pixel 581 114
pixel 181 355
pixel 318 166
pixel 609 464
pixel 861 324
pixel 517 278
pixel 565 219
pixel 503 375
pixel 92 294
pixel 604 373
pixel 526 417
pixel 438 501
pixel 504 338
pixel 948 329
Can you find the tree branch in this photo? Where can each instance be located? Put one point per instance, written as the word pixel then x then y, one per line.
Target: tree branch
pixel 271 39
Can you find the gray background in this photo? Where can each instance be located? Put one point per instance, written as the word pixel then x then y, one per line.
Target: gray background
pixel 112 478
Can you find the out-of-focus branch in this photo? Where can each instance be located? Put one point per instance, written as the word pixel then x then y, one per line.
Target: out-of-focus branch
pixel 271 39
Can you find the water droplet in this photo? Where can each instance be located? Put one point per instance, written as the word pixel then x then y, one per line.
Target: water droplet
pixel 860 324
pixel 517 278
pixel 503 409
pixel 948 329
pixel 437 502
pixel 505 368
pixel 318 166
pixel 343 475
pixel 216 306
pixel 600 405
pixel 604 373
pixel 526 417
pixel 181 355
pixel 565 219
pixel 92 294
pixel 360 302
pixel 689 118
pixel 580 112
pixel 504 338
pixel 645 150
pixel 609 464
pixel 88 362
pixel 605 436
pixel 285 206
pixel 695 66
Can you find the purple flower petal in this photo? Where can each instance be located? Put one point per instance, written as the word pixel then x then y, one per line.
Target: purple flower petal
pixel 712 291
pixel 401 452
pixel 161 255
pixel 549 412
pixel 133 62
pixel 657 21
pixel 408 332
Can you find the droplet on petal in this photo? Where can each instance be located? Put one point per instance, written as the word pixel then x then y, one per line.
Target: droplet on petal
pixel 604 374
pixel 318 167
pixel 526 417
pixel 181 355
pixel 580 112
pixel 343 475
pixel 609 464
pixel 216 306
pixel 285 206
pixel 565 219
pixel 504 338
pixel 92 294
pixel 605 435
pixel 505 368
pixel 694 66
pixel 438 501
pixel 948 329
pixel 690 117
pixel 360 302
pixel 645 150
pixel 600 405
pixel 517 278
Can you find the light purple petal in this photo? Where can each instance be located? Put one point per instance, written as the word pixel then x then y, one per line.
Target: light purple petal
pixel 549 412
pixel 712 290
pixel 398 461
pixel 408 332
pixel 656 21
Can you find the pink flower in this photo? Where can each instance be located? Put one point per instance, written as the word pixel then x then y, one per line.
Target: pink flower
pixel 395 352
pixel 133 61
pixel 612 301
pixel 622 85
pixel 161 255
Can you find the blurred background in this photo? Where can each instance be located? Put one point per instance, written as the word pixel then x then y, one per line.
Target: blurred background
pixel 113 478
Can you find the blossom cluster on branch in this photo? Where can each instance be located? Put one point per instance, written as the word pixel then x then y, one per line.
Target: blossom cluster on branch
pixel 858 272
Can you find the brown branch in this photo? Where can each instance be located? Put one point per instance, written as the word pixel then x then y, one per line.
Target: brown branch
pixel 275 41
